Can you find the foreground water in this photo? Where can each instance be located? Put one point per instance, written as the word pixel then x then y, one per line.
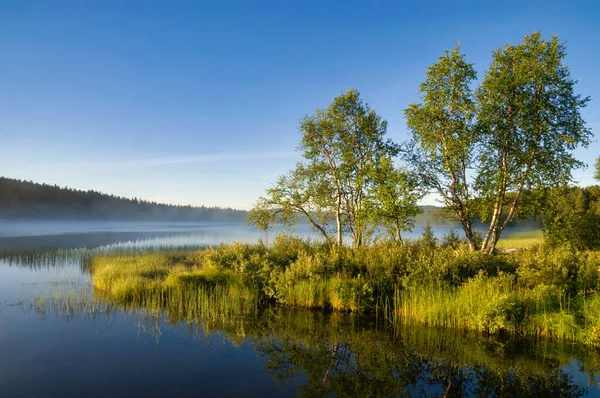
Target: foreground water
pixel 60 338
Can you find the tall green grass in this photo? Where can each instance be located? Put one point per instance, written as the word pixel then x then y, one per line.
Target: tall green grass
pixel 542 292
pixel 156 282
pixel 493 305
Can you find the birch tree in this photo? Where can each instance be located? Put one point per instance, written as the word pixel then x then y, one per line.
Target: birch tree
pixel 484 153
pixel 444 139
pixel 530 123
pixel 342 147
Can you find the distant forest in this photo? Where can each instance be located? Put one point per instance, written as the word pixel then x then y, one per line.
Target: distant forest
pixel 29 200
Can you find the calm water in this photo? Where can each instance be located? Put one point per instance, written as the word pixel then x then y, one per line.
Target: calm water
pixel 59 338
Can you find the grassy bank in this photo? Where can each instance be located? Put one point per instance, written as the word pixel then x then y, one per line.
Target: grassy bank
pixel 521 240
pixel 541 292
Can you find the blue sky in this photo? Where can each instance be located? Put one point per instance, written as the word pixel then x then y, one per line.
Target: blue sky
pixel 198 102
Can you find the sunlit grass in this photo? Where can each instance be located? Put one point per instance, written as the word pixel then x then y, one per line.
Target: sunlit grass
pixel 543 292
pixel 492 305
pixel 521 240
pixel 158 282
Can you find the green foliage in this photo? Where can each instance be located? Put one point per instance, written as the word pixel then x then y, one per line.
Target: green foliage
pixel 428 237
pixel 572 217
pixel 393 201
pixel 351 294
pixel 528 123
pixel 544 291
pixel 591 315
pixel 346 143
pixel 294 271
pixel 262 218
pixel 451 239
pixel 490 305
pixel 443 137
pixel 347 181
pixel 570 270
pixel 597 169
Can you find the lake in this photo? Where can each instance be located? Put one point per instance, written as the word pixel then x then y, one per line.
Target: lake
pixel 58 337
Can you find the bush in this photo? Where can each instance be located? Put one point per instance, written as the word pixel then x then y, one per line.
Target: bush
pixel 572 270
pixel 451 239
pixel 351 294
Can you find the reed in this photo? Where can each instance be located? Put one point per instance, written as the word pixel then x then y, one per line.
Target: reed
pixel 492 305
pixel 543 292
pixel 69 302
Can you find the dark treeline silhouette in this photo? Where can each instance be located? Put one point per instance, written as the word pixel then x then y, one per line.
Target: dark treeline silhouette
pixel 28 200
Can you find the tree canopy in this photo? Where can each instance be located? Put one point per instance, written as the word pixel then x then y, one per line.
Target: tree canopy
pixel 572 216
pixel 347 182
pixel 516 134
pixel 443 135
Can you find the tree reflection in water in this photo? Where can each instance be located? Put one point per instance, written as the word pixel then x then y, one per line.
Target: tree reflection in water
pixel 413 361
pixel 323 354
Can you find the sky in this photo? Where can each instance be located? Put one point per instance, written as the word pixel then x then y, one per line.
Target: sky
pixel 198 102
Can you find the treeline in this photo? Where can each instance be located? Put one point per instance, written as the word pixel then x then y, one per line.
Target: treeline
pixel 29 200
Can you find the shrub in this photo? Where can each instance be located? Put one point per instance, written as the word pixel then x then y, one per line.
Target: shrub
pixel 575 271
pixel 351 294
pixel 451 239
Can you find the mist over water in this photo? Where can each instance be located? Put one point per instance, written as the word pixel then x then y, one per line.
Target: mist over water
pixel 50 234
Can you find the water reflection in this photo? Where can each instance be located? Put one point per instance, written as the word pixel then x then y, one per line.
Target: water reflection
pixel 320 354
pixel 60 337
pixel 413 361
pixel 121 239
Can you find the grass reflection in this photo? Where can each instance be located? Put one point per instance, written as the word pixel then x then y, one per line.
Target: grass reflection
pixel 324 353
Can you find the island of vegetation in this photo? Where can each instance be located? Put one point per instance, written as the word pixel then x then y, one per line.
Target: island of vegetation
pixel 493 154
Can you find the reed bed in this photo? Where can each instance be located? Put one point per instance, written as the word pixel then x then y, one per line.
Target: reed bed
pixel 69 302
pixel 157 283
pixel 494 305
pixel 543 292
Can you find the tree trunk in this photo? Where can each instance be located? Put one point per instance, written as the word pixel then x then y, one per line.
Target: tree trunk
pixel 338 218
pixel 398 235
pixel 314 224
pixel 470 239
pixel 490 235
pixel 499 228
